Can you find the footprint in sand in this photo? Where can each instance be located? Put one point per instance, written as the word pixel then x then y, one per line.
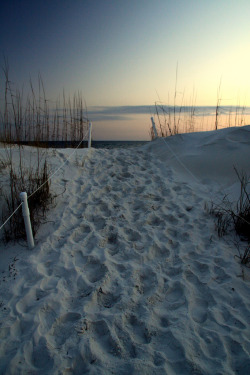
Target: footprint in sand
pixel 198 310
pixel 94 269
pixel 40 294
pixel 83 288
pixel 164 322
pixel 147 282
pixel 91 267
pixel 25 303
pixel 177 188
pixel 99 222
pixel 211 344
pixel 175 293
pixel 49 283
pixel 132 235
pixel 107 299
pixel 39 355
pixel 201 270
pixel 156 251
pixel 172 347
pixel 80 233
pixel 79 258
pixel 112 238
pixel 139 190
pixel 126 175
pixel 20 327
pixel 158 359
pixel 102 339
pixel 47 316
pixel 155 221
pixel 104 209
pixel 226 318
pixel 173 271
pixel 127 343
pixel 140 331
pixel 221 276
pixel 63 328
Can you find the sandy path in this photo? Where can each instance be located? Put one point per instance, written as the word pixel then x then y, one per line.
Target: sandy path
pixel 129 280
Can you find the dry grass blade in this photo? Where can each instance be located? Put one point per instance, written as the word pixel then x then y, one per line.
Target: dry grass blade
pixel 245 258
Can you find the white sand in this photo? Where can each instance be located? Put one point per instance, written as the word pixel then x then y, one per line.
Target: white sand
pixel 128 275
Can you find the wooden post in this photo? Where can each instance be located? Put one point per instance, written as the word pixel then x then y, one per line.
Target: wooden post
pixel 26 216
pixel 90 135
pixel 154 127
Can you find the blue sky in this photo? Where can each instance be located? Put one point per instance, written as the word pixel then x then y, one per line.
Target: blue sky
pixel 120 53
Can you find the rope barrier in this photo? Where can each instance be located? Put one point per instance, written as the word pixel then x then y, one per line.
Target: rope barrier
pixel 6 221
pixel 60 167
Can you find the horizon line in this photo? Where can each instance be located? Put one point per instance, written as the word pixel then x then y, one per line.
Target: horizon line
pixel 107 113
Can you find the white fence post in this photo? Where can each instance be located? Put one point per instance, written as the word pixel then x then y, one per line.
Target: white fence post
pixel 90 135
pixel 154 127
pixel 26 216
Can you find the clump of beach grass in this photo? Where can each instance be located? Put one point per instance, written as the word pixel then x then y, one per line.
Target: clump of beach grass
pixel 25 120
pixel 35 182
pixel 182 118
pixel 31 119
pixel 236 216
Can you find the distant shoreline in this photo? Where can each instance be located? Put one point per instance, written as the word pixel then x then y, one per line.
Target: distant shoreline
pixel 84 144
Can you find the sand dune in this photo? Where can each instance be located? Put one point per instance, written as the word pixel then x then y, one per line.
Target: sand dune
pixel 128 275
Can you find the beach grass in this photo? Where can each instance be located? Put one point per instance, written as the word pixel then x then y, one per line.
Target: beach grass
pixel 236 216
pixel 30 119
pixel 28 180
pixel 181 116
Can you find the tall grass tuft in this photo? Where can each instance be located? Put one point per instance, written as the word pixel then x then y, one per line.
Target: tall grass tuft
pixel 217 106
pixel 31 119
pixel 242 216
pixel 236 216
pixel 28 180
pixel 183 118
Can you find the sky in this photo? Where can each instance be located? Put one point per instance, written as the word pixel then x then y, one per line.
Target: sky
pixel 129 53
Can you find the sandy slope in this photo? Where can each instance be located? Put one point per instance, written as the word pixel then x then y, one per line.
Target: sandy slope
pixel 129 276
